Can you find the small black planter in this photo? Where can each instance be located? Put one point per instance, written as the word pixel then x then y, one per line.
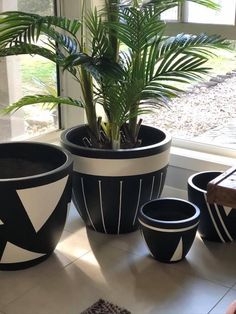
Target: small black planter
pixel 109 186
pixel 169 227
pixel 217 222
pixel 35 189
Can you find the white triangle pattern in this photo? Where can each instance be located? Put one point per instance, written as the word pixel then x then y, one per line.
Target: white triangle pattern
pixel 227 210
pixel 178 252
pixel 41 201
pixel 15 254
pixel 1 223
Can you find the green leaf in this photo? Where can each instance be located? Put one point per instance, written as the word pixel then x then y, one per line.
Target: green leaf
pixel 41 99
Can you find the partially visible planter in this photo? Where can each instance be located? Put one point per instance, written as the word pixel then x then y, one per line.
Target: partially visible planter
pixel 217 222
pixel 169 227
pixel 109 186
pixel 35 189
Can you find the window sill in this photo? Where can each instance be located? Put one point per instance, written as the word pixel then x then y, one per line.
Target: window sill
pixel 199 161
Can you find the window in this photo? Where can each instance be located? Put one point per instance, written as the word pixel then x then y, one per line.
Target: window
pixel 205 116
pixel 200 14
pixel 25 75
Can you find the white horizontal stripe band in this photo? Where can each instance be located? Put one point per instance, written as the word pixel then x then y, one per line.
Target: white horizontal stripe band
pixel 121 167
pixel 168 230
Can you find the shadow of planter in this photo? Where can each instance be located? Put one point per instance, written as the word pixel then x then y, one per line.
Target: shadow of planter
pixel 109 186
pixel 217 223
pixel 35 189
pixel 169 226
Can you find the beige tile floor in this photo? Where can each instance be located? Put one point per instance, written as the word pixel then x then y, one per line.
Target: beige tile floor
pixel 87 266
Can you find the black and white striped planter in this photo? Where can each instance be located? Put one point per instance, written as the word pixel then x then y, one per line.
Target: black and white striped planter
pixel 169 227
pixel 35 190
pixel 217 222
pixel 109 186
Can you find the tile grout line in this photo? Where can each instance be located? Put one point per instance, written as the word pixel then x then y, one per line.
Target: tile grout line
pixel 187 273
pixel 215 282
pixel 75 260
pixel 219 301
pixel 36 285
pixel 18 297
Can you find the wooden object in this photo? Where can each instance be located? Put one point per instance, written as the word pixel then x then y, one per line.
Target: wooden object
pixel 222 189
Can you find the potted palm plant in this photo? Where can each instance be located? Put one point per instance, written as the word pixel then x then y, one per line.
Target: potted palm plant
pixel 128 65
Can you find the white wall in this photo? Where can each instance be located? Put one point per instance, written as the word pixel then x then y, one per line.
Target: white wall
pixel 10 81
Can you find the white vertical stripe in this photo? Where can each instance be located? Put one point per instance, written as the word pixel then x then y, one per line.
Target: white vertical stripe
pixel 138 201
pixel 76 203
pixel 100 197
pixel 213 220
pixel 85 204
pixel 160 184
pixel 120 203
pixel 153 181
pixel 222 222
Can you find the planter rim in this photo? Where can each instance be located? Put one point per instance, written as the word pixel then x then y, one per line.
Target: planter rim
pixel 194 186
pixel 64 165
pixel 146 220
pixel 64 139
pixel 169 230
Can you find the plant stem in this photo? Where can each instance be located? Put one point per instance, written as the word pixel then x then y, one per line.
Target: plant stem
pixel 87 91
pixel 112 8
pixel 115 136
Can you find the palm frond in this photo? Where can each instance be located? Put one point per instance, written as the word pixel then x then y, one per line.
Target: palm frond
pixel 62 42
pixel 17 26
pixel 24 27
pixel 96 26
pixel 136 28
pixel 41 99
pixel 20 49
pixel 176 52
pixel 97 67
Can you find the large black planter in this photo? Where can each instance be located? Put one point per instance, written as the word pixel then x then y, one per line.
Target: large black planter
pixel 35 189
pixel 169 227
pixel 109 186
pixel 217 222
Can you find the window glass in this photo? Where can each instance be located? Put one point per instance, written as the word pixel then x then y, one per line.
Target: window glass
pixel 206 113
pixel 27 75
pixel 200 14
pixel 170 15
